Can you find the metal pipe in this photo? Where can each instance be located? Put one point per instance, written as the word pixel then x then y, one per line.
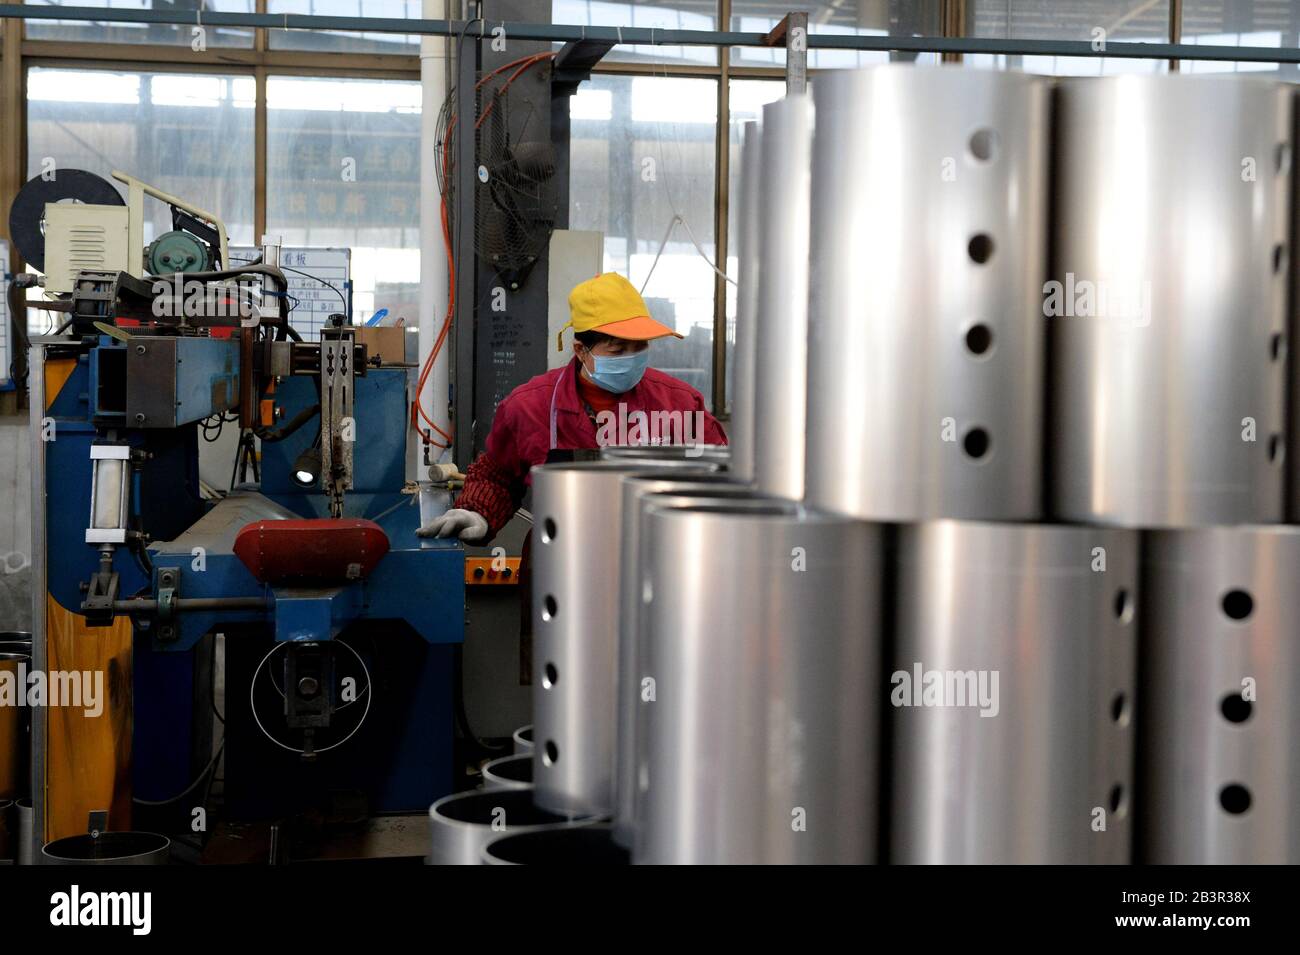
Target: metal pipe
pixel 509 772
pixel 1011 688
pixel 26 844
pixel 555 845
pixel 463 823
pixel 150 605
pixel 638 492
pixel 763 642
pixel 40 653
pixel 522 740
pixel 741 428
pixel 1221 696
pixel 1167 311
pixel 109 848
pixel 925 342
pixel 653 36
pixel 781 346
pixel 576 553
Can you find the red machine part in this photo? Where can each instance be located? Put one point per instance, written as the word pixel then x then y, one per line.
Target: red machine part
pixel 320 550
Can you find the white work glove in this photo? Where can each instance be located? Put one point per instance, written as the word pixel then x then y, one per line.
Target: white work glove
pixel 467 525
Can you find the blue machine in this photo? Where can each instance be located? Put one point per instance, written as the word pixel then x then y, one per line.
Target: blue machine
pixel 340 685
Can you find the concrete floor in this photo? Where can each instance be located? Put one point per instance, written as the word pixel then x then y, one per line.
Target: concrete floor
pixel 15 525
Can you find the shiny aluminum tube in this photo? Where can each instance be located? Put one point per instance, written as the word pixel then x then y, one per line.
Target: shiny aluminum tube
pixel 741 429
pixel 522 740
pixel 925 345
pixel 557 845
pixel 509 772
pixel 1167 403
pixel 1012 685
pixel 640 490
pixel 463 823
pixel 1220 729
pixel 576 510
pixel 763 642
pixel 781 349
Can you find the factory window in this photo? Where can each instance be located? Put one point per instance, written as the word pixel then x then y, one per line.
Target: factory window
pixel 659 15
pixel 1257 23
pixel 643 167
pixel 1130 21
pixel 339 41
pixel 161 34
pixel 851 18
pixel 343 170
pixel 189 134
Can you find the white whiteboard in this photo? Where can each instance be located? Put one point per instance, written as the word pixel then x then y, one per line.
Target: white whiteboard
pixel 313 301
pixel 6 350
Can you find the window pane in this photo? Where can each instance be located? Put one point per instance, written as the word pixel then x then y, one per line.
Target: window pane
pixel 1130 21
pixel 1271 23
pixel 847 18
pixel 343 171
pixel 346 42
pixel 748 97
pixel 659 14
pixel 170 34
pixel 642 152
pixel 188 134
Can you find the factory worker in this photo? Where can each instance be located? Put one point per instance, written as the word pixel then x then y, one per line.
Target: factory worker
pixel 606 395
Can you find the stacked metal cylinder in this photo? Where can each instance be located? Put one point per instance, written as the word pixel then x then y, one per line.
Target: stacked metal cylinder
pixel 999 573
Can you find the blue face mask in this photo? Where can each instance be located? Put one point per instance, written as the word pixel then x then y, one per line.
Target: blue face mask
pixel 619 373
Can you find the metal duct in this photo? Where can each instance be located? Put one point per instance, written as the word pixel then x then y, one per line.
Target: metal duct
pixel 741 429
pixel 576 510
pixel 1034 626
pixel 638 491
pixel 1167 319
pixel 462 824
pixel 763 641
pixel 1221 696
pixel 509 772
pixel 781 348
pixel 925 326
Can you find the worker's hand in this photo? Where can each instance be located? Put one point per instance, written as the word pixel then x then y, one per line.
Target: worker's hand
pixel 467 525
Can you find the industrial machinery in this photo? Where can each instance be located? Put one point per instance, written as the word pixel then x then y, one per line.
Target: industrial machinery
pixel 338 622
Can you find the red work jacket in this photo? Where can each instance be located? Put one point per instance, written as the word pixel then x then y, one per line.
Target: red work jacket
pixel 547 413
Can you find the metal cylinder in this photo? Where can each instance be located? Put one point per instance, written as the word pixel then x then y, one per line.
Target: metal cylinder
pixel 762 642
pixel 781 350
pixel 462 824
pixel 509 772
pixel 109 848
pixel 1011 690
pixel 576 510
pixel 522 740
pixel 639 490
pixel 1167 303
pixel 8 830
pixel 15 745
pixel 557 845
pixel 1220 755
pixel 26 837
pixel 741 429
pixel 925 342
